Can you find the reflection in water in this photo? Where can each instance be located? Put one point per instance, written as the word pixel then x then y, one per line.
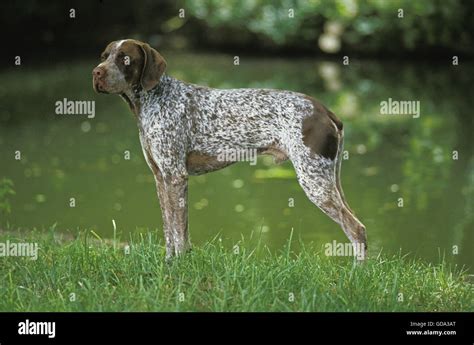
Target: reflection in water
pixel 424 164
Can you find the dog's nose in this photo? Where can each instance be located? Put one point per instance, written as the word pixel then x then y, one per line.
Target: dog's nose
pixel 98 72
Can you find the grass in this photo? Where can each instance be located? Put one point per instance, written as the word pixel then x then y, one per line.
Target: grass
pixel 212 277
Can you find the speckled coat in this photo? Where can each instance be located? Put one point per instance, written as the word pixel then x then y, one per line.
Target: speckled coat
pixel 184 127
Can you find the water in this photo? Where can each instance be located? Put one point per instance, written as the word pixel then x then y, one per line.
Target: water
pixel 389 157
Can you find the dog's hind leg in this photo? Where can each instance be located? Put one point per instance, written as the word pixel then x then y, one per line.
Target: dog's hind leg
pixel 319 178
pixel 316 156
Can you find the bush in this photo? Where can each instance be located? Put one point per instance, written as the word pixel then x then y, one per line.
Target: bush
pixel 6 189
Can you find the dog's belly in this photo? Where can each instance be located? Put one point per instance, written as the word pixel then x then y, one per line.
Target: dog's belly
pixel 200 163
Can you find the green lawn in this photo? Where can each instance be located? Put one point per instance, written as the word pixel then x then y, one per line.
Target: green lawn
pixel 88 274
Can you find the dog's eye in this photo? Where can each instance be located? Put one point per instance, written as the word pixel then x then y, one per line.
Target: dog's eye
pixel 123 59
pixel 104 56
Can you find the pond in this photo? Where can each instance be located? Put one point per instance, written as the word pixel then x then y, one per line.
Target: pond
pixel 410 179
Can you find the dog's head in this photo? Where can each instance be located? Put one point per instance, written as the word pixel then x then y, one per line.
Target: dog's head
pixel 127 64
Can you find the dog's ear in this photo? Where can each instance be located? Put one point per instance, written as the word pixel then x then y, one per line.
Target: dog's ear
pixel 154 66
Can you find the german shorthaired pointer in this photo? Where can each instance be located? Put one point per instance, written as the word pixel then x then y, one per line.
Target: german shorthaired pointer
pixel 184 128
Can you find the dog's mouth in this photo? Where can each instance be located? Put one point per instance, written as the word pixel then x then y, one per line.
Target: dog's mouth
pixel 98 86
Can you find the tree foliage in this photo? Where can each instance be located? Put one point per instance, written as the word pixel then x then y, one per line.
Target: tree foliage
pixel 365 26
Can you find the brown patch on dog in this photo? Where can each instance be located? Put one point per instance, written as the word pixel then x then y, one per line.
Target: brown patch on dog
pixel 319 131
pixel 154 66
pixel 131 52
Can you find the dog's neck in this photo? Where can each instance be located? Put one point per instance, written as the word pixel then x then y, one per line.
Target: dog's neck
pixel 134 98
pixel 137 96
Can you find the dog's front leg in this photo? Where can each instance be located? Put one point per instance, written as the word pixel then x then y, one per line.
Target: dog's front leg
pixel 165 214
pixel 176 212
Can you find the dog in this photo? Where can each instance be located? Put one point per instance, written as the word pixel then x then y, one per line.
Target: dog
pixel 183 129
